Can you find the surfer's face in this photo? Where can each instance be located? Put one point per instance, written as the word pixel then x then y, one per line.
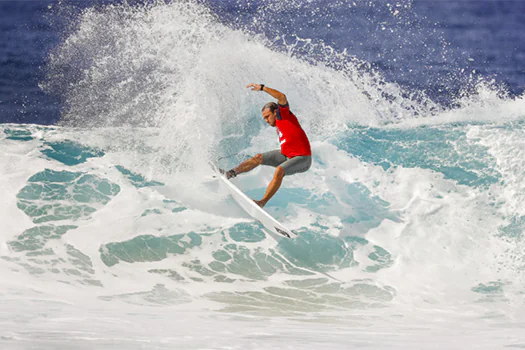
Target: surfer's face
pixel 269 116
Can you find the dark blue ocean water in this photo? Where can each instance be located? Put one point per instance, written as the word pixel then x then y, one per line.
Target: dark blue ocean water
pixel 439 47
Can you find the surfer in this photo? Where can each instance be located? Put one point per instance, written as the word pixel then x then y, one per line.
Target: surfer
pixel 295 155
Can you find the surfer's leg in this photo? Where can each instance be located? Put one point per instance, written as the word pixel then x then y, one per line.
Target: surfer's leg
pixel 297 165
pixel 287 166
pixel 272 187
pixel 273 158
pixel 248 165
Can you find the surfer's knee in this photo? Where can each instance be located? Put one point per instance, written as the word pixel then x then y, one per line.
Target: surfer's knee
pixel 258 158
pixel 279 172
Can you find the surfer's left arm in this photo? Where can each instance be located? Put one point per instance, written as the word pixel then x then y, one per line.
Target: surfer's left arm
pixel 279 96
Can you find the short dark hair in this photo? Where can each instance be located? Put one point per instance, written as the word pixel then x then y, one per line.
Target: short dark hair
pixel 272 106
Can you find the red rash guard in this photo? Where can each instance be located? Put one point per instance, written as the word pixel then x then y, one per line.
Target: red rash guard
pixel 292 137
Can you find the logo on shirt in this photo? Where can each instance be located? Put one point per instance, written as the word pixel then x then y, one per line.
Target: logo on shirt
pixel 280 136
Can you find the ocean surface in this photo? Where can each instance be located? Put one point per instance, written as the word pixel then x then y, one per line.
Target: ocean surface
pixel 115 235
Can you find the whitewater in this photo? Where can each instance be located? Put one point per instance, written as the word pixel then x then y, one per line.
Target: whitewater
pixel 114 233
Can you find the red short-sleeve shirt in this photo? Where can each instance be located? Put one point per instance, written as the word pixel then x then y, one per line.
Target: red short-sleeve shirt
pixel 292 137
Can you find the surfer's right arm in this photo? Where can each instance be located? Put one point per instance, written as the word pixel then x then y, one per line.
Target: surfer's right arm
pixel 279 96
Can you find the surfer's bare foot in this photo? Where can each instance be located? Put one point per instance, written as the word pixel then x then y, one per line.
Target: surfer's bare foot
pixel 229 174
pixel 260 203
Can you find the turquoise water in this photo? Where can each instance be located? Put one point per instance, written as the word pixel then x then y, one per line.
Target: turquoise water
pixel 352 230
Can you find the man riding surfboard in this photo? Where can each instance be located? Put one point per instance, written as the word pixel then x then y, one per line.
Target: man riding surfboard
pixel 295 155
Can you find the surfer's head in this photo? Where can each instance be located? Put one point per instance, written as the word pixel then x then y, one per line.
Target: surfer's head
pixel 269 113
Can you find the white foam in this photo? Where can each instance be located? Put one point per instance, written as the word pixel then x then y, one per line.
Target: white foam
pixel 165 87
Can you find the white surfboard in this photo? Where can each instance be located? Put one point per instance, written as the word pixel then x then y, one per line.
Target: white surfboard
pixel 256 212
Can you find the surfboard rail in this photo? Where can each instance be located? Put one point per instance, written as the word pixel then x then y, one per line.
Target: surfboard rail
pixel 269 222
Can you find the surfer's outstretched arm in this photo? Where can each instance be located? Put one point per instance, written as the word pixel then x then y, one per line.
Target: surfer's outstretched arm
pixel 279 96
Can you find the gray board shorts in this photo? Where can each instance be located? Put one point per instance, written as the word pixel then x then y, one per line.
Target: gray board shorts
pixel 291 166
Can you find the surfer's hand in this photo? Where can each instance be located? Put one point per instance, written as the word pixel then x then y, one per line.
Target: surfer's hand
pixel 255 87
